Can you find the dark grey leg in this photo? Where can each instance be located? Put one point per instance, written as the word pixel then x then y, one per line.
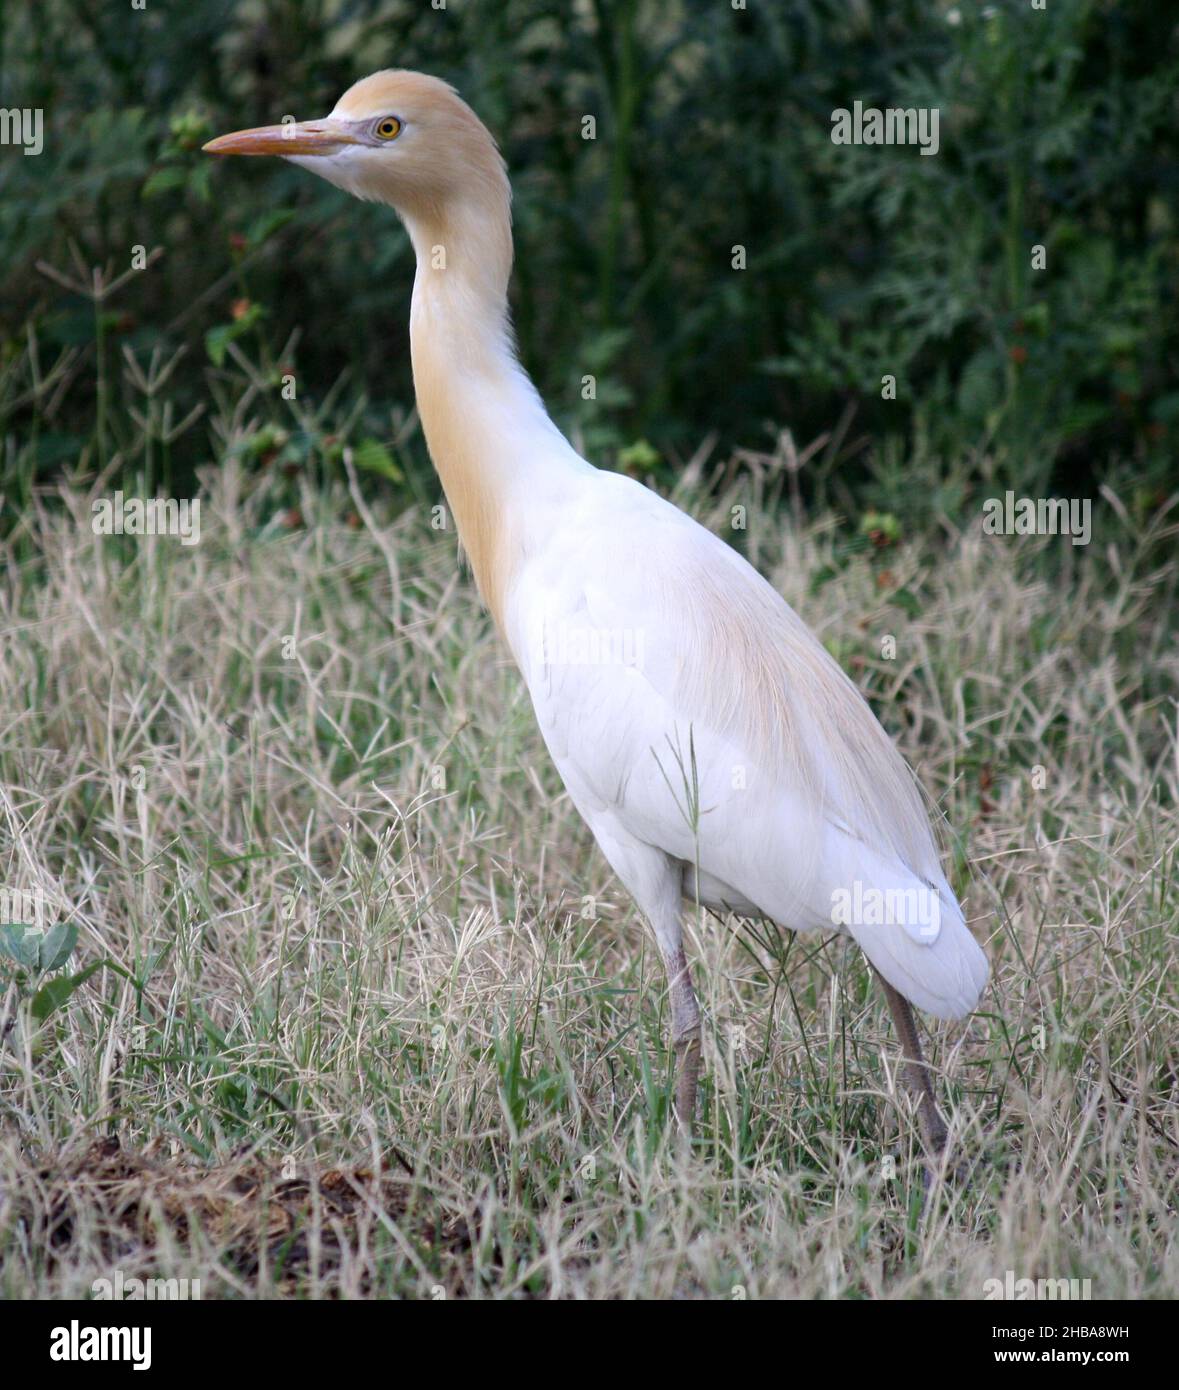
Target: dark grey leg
pixel 917 1073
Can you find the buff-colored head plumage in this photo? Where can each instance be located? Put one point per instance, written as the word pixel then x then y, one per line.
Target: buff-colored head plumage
pixel 408 140
pixel 440 154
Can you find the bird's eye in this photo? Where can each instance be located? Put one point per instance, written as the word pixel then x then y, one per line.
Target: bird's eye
pixel 388 128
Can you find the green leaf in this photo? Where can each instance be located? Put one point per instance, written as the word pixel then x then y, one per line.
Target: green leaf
pixel 56 946
pixel 53 995
pixel 821 578
pixel 265 226
pixel 164 180
pixel 373 457
pixel 217 339
pixel 908 602
pixel 20 942
pixel 199 180
pixel 881 528
pixel 641 456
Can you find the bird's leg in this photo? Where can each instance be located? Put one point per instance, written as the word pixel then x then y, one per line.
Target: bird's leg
pixel 933 1127
pixel 685 1031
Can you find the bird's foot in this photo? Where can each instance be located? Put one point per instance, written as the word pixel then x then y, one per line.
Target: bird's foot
pixel 942 1167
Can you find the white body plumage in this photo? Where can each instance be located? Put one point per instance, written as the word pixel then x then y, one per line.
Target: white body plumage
pixel 664 733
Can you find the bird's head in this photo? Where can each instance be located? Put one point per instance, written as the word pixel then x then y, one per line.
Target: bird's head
pixel 397 137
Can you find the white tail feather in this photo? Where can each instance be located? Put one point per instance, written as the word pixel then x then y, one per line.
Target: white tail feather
pixel 938 966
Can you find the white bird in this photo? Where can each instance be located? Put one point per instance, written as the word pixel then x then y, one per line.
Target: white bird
pixel 716 750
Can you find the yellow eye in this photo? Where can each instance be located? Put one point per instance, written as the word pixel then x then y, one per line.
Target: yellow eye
pixel 389 128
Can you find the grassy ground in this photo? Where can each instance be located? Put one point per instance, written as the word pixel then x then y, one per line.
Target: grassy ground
pixel 376 1018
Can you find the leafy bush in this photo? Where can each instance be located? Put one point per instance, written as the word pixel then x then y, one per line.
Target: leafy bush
pixel 713 132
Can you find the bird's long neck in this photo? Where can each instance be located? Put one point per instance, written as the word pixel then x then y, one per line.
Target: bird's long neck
pixel 497 453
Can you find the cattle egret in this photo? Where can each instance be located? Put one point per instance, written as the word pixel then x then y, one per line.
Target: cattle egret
pixel 717 751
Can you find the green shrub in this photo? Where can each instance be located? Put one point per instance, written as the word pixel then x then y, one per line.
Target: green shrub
pixel 713 131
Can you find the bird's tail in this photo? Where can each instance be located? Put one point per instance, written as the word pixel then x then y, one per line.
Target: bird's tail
pixel 913 931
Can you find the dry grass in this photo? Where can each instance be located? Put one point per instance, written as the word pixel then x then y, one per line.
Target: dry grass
pixel 354 926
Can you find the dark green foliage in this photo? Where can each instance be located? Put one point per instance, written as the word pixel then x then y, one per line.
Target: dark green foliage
pixel 1058 128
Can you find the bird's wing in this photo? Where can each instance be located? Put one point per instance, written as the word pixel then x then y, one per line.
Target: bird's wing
pixel 685 704
pixel 638 616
